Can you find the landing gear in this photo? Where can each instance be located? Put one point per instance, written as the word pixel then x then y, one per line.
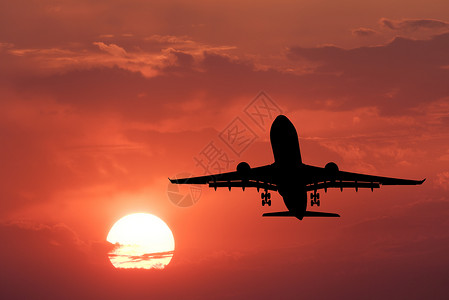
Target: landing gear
pixel 268 202
pixel 315 199
pixel 266 198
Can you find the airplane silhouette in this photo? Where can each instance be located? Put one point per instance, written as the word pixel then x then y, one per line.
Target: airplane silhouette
pixel 289 176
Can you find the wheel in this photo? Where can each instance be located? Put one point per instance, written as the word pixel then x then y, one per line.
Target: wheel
pixel 269 196
pixel 318 196
pixel 263 202
pixel 269 202
pixel 318 203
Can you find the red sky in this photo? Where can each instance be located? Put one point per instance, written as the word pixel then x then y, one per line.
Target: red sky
pixel 101 101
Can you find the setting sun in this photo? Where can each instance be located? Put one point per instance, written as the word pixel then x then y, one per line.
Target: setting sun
pixel 142 241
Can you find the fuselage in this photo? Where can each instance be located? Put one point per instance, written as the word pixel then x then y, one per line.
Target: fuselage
pixel 287 163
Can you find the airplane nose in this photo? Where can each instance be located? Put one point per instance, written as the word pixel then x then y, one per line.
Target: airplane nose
pixel 280 122
pixel 281 118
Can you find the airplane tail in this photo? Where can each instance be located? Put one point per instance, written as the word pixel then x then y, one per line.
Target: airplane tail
pixel 306 214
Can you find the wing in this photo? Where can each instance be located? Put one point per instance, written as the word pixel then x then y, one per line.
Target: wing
pixel 260 178
pixel 322 178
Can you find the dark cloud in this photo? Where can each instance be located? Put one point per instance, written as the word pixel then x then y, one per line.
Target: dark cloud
pixel 413 24
pixel 403 73
pixel 393 77
pixel 46 261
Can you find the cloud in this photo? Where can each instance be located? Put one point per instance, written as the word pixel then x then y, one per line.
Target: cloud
pixel 157 53
pixel 48 260
pixel 413 24
pixel 112 49
pixel 82 135
pixel 443 180
pixel 57 60
pixel 410 238
pixel 340 79
pixel 410 68
pixel 41 244
pixel 364 32
pixel 170 39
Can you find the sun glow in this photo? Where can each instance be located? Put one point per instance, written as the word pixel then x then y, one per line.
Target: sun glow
pixel 142 241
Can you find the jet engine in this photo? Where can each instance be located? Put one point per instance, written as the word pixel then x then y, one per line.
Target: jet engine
pixel 331 168
pixel 243 168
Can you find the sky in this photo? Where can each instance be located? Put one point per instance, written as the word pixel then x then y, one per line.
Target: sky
pixel 102 101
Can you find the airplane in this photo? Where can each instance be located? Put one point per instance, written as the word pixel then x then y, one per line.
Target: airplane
pixel 292 178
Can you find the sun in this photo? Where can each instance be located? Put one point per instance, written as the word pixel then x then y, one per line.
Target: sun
pixel 142 241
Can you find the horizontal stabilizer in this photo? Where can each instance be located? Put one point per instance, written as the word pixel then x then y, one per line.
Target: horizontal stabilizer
pixel 306 214
pixel 279 214
pixel 319 214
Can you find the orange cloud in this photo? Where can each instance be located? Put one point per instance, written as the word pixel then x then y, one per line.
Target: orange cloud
pixel 364 32
pixel 112 49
